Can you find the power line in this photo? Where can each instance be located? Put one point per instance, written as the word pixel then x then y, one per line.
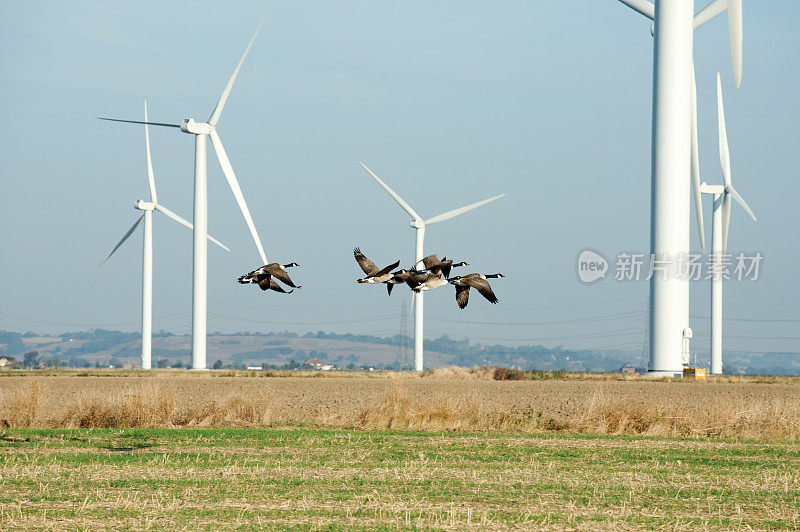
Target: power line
pixel 603 334
pixel 748 337
pixel 26 319
pixel 758 320
pixel 368 319
pixel 556 322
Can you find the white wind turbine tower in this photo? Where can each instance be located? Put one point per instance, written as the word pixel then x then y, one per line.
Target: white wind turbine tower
pixel 673 29
pixel 201 130
pixel 147 251
pixel 722 195
pixel 420 224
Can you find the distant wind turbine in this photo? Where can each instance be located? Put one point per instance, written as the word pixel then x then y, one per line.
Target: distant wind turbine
pixel 147 252
pixel 722 194
pixel 420 224
pixel 201 130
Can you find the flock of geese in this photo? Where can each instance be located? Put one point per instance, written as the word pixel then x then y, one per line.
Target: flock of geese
pixel 434 273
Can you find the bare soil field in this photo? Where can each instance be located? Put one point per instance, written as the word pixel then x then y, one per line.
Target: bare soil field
pixel 747 409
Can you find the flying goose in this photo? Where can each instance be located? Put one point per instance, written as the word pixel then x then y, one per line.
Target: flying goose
pixel 373 274
pixel 398 277
pixel 445 265
pixel 440 267
pixel 424 280
pixel 478 282
pixel 265 277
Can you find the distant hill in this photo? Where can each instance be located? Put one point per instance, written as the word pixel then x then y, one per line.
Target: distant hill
pixel 100 347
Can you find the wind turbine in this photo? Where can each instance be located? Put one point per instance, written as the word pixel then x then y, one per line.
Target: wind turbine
pixel 420 224
pixel 201 130
pixel 673 156
pixel 722 194
pixel 147 252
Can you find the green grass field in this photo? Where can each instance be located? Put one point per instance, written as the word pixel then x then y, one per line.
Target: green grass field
pixel 248 478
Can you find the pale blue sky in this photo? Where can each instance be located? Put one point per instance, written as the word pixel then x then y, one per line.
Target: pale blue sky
pixel 449 102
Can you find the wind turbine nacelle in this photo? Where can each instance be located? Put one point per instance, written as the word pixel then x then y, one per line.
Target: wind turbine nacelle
pixel 196 128
pixel 143 205
pixel 416 224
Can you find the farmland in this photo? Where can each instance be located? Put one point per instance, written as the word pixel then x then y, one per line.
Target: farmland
pixel 450 449
pixel 212 478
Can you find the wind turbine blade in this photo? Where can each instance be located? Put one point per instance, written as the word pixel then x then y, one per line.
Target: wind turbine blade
pixel 698 197
pixel 393 194
pixel 174 216
pixel 150 175
pixel 735 33
pixel 227 169
pixel 726 219
pixel 462 210
pixel 184 222
pixel 641 6
pixel 227 91
pixel 710 11
pixel 724 152
pixel 138 122
pixel 740 200
pixel 217 242
pixel 124 238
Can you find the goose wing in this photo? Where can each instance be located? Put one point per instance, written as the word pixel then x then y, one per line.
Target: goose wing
pixel 272 268
pixel 430 261
pixel 445 266
pixel 462 295
pixel 412 282
pixel 387 269
pixel 482 286
pixel 422 276
pixel 264 280
pixel 278 288
pixel 283 277
pixel 367 265
pixel 267 282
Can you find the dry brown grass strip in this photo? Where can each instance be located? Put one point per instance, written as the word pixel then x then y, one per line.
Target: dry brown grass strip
pixel 401 410
pixel 144 405
pixel 449 399
pixel 762 418
pixel 459 373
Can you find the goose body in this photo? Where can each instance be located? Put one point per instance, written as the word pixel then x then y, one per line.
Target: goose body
pixel 479 282
pixel 373 274
pixel 398 277
pixel 265 277
pixel 440 267
pixel 423 281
